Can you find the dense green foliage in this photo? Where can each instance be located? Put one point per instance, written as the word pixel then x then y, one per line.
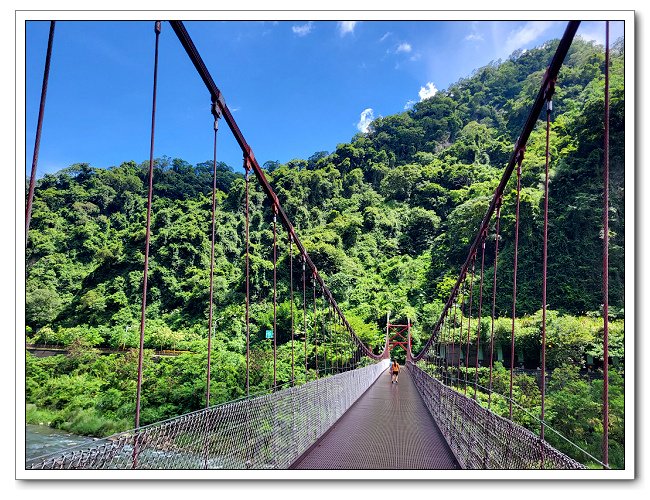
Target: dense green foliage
pixel 387 219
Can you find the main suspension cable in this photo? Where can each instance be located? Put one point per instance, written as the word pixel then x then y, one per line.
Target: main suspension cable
pixel 39 128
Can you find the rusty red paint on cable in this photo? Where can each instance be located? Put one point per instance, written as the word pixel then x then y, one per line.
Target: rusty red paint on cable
pixel 247 237
pixel 275 299
pixel 469 320
pixel 190 48
pixel 552 71
pixel 216 114
pixel 445 345
pixel 480 307
pixel 324 332
pixel 441 344
pixel 605 444
pixel 39 128
pixel 157 30
pixel 520 159
pixel 494 295
pixel 293 380
pixel 315 324
pixel 551 74
pixel 453 335
pixel 549 107
pixel 304 312
pixel 460 330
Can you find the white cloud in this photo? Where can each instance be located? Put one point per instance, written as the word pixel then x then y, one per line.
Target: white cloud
pixel 594 31
pixel 599 38
pixel 346 27
pixel 367 116
pixel 526 34
pixel 386 35
pixel 404 47
pixel 303 29
pixel 429 90
pixel 474 37
pixel 409 104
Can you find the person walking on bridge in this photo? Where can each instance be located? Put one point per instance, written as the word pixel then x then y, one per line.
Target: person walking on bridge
pixel 395 371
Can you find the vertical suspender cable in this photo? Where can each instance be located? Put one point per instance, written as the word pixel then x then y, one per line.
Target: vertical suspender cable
pixel 445 346
pixel 323 331
pixel 39 127
pixel 460 331
pixel 549 107
pixel 157 30
pixel 606 261
pixel 520 159
pixel 469 319
pixel 335 342
pixel 315 324
pixel 450 333
pixel 216 113
pixel 304 311
pixel 480 307
pixel 453 336
pixel 435 349
pixel 328 337
pixel 291 296
pixel 494 294
pixel 445 323
pixel 247 167
pixel 275 298
pixel 409 352
pixel 247 236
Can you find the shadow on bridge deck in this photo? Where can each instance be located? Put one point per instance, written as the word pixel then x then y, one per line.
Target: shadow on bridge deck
pixel 387 428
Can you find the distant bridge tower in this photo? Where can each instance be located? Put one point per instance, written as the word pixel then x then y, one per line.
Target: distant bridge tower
pixel 399 335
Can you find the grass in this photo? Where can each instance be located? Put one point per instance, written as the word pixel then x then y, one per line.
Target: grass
pixel 84 422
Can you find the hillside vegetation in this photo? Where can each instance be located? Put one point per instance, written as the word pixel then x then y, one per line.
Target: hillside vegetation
pixel 387 218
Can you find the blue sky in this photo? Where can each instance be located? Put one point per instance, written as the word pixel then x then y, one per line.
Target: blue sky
pixel 295 87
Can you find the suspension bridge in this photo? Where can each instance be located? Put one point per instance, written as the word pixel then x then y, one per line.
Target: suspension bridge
pixel 350 416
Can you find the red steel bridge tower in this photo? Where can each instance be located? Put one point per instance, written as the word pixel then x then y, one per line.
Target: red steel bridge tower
pixel 398 335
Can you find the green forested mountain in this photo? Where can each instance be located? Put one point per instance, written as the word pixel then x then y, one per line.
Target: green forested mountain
pixel 387 218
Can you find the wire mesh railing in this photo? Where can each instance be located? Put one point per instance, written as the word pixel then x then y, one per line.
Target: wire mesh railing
pixel 481 439
pixel 265 432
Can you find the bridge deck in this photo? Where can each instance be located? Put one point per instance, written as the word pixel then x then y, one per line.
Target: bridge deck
pixel 387 428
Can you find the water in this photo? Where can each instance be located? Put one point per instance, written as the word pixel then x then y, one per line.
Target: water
pixel 42 440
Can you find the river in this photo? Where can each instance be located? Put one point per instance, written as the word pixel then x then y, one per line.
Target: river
pixel 42 440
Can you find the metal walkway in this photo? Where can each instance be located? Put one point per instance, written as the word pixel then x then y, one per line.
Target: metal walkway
pixel 387 428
